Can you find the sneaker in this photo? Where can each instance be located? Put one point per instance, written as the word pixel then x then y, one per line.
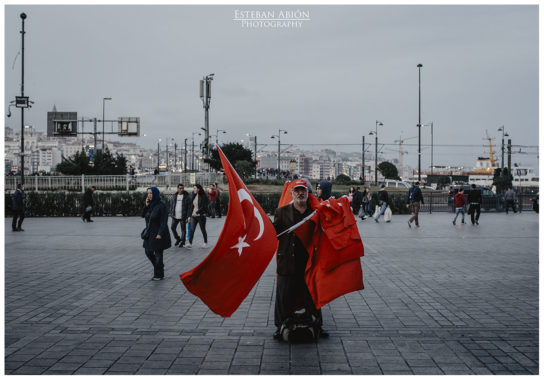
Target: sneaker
pixel 277 335
pixel 205 245
pixel 462 221
pixel 477 223
pixel 323 333
pixel 90 220
pixel 178 241
pixel 14 229
pixel 157 278
pixel 19 229
pixel 182 244
pixel 376 220
pixel 453 222
pixel 188 246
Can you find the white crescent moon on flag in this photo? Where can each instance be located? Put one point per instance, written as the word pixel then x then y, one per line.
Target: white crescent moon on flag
pixel 243 195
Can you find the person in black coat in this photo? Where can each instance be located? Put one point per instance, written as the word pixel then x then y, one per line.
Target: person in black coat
pixel 197 211
pixel 18 205
pixel 88 204
pixel 179 210
pixel 474 200
pixel 155 213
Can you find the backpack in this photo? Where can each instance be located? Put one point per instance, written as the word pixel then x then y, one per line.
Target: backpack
pixel 411 194
pixel 300 328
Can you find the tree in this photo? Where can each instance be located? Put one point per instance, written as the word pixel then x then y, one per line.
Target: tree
pixel 79 164
pixel 388 170
pixel 104 163
pixel 245 169
pixel 342 179
pixel 235 152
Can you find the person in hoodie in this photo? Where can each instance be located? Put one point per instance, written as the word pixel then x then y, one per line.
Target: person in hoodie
pixel 324 190
pixel 155 213
pixel 179 208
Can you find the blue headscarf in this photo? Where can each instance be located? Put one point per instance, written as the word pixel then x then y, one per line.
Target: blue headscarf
pixel 156 196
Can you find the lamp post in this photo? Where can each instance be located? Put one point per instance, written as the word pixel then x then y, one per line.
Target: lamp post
pixel 185 156
pixel 419 66
pixel 206 96
pixel 217 136
pixel 158 156
pixel 501 129
pixel 363 161
pixel 103 116
pixel 378 123
pixel 23 17
pixel 279 144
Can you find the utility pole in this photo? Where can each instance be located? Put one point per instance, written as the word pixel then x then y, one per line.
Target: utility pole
pixel 175 155
pixel 255 156
pixel 23 17
pixel 185 158
pixel 419 66
pixel 509 147
pixel 206 95
pixel 363 161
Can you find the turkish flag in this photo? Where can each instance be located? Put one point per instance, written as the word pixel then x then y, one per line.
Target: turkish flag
pixel 334 246
pixel 244 249
pixel 286 196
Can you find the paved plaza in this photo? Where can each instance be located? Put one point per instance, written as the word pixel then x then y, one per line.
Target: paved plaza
pixel 440 299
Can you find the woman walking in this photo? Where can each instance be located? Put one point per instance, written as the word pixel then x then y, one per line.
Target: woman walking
pixel 197 210
pixel 156 235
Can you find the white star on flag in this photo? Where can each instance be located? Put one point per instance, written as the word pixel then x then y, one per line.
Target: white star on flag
pixel 241 245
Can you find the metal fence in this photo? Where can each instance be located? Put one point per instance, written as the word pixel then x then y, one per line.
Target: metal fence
pixel 111 182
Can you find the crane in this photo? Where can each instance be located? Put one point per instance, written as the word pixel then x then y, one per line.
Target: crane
pixel 401 151
pixel 491 158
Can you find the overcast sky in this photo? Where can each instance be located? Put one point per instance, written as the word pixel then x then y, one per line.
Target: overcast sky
pixel 326 82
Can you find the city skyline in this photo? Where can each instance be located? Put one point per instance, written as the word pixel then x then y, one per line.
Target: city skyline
pixel 325 82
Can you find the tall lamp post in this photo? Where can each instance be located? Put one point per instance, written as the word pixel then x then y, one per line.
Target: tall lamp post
pixel 378 123
pixel 23 17
pixel 185 155
pixel 279 144
pixel 103 116
pixel 419 66
pixel 363 161
pixel 206 96
pixel 501 129
pixel 217 136
pixel 158 156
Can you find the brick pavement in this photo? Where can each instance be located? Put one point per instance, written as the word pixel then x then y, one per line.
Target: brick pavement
pixel 440 299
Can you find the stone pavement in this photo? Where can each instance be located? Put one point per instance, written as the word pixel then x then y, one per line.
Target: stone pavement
pixel 440 299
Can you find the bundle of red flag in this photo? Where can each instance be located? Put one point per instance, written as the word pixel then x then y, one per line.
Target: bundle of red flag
pixel 244 249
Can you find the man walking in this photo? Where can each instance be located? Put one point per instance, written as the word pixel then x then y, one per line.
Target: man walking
pixel 509 198
pixel 383 201
pixel 474 200
pixel 213 199
pixel 88 204
pixel 459 200
pixel 18 205
pixel 415 199
pixel 179 207
pixel 291 290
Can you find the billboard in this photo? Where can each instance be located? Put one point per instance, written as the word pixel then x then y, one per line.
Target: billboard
pixel 61 124
pixel 128 126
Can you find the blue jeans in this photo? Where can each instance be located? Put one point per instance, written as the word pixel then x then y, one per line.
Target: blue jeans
pixel 382 210
pixel 156 259
pixel 457 211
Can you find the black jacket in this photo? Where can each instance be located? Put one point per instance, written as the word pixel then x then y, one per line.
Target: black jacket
pixel 383 196
pixel 18 200
pixel 474 196
pixel 202 205
pixel 156 218
pixel 415 195
pixel 291 257
pixel 88 198
pixel 185 205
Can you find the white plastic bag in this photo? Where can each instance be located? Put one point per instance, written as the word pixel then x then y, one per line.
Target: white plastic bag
pixel 387 214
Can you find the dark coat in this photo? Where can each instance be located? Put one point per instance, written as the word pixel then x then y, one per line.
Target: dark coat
pixel 185 205
pixel 383 196
pixel 88 198
pixel 156 217
pixel 415 195
pixel 202 205
pixel 290 249
pixel 18 200
pixel 357 199
pixel 475 196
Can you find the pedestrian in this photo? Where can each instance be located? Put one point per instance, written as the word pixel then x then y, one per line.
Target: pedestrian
pixel 367 202
pixel 383 201
pixel 415 199
pixel 474 200
pixel 157 239
pixel 459 200
pixel 291 290
pixel 356 202
pixel 218 201
pixel 179 210
pixel 213 200
pixel 197 210
pixel 18 206
pixel 510 197
pixel 324 190
pixel 350 194
pixel 88 204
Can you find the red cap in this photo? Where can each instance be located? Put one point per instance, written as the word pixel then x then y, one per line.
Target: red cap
pixel 300 183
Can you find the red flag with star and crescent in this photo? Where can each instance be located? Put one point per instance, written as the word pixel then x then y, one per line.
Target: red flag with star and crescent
pixel 244 249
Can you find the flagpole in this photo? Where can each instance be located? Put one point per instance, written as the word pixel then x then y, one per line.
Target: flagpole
pixel 294 227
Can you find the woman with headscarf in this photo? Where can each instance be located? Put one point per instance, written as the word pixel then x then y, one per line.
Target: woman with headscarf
pixel 157 239
pixel 197 211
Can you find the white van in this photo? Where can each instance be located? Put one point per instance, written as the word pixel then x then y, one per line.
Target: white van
pixel 395 183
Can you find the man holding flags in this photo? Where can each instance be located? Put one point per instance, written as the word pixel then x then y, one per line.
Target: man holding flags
pixel 292 257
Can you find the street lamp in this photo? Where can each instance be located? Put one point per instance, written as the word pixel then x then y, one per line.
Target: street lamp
pixel 158 156
pixel 363 161
pixel 23 17
pixel 378 123
pixel 103 113
pixel 419 66
pixel 217 136
pixel 501 129
pixel 279 143
pixel 432 144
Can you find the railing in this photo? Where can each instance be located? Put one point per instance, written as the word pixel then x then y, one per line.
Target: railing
pixel 111 182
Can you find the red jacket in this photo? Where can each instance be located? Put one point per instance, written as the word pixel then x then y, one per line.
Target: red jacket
pixel 459 200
